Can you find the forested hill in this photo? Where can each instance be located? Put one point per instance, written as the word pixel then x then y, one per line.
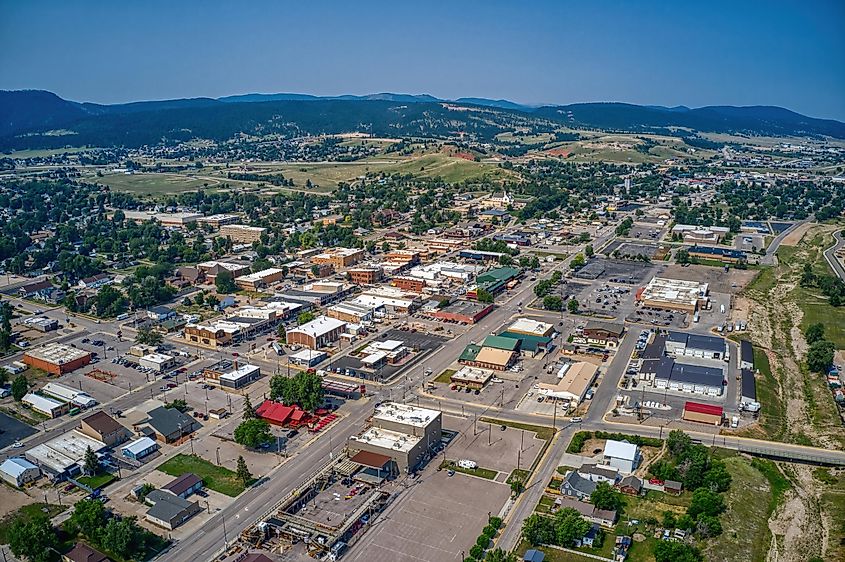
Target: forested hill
pixel 39 119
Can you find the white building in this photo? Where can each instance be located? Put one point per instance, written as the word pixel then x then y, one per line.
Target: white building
pixel 67 394
pixel 158 362
pixel 44 405
pixel 18 472
pixel 65 454
pixel 240 377
pixel 621 455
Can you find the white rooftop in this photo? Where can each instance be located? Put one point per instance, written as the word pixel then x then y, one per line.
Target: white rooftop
pixel 41 403
pixel 259 275
pixel 530 326
pixel 407 414
pixel 387 439
pixel 57 353
pixel 158 358
pixel 139 445
pixel 319 326
pixel 620 450
pixel 240 372
pixel 64 451
pixel 16 466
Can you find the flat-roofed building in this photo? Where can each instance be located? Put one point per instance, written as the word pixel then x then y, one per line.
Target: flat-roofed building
pixel 57 358
pixel 471 377
pixel 746 355
pixel 365 275
pixel 575 379
pixel 703 413
pixel 680 344
pixel 240 376
pixel 404 258
pixel 216 221
pixel 350 312
pixel 408 283
pixel 211 269
pixel 602 334
pixel 211 335
pixel 463 312
pixel 340 257
pixel 387 303
pixel 307 357
pixel 158 362
pixel 725 255
pixel 531 327
pixel 64 393
pixel 674 294
pixel 242 233
pixel 317 333
pixel 683 377
pixel 259 279
pixel 64 455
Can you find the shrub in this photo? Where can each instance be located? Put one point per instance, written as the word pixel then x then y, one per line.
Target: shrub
pixel 476 552
pixel 495 522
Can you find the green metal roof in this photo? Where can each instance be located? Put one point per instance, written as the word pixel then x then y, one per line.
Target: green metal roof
pixel 470 352
pixel 498 274
pixel 498 342
pixel 529 342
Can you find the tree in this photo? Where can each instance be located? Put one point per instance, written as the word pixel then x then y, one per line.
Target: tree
pixel 91 462
pixel 5 326
pixel 717 479
pixel 88 517
pixel 589 250
pixel 578 261
pixel 535 262
pixel 607 497
pixel 19 387
pixel 253 433
pixel 569 525
pixel 820 356
pixel 33 538
pixel 122 537
pixel 179 404
pixel 669 519
pixel 814 333
pixel 517 486
pixel 499 555
pixel 705 502
pixel 677 442
pixel 249 411
pixel 708 526
pixel 483 295
pixel 572 306
pixel 682 256
pixel 281 332
pixel 305 317
pixel 224 282
pixel 552 302
pixel 538 529
pixel 242 472
pixel 668 551
pixel 147 336
pixel 309 388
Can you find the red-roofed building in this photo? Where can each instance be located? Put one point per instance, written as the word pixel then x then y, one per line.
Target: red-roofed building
pixel 274 412
pixel 703 413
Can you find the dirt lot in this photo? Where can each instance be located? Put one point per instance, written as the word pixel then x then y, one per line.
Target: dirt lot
pixel 717 278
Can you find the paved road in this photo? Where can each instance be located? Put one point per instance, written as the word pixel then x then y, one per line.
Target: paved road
pixel 769 258
pixel 830 255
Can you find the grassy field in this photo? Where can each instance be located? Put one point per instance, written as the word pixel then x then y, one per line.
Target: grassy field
pixel 26 513
pixel 773 416
pixel 543 432
pixel 445 376
pixel 98 481
pixel 42 152
pixel 745 533
pixel 153 184
pixel 215 477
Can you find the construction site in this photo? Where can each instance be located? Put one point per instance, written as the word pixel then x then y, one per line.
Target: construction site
pixel 325 515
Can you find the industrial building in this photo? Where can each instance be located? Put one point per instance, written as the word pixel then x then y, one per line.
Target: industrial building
pixel 679 344
pixel 19 472
pixel 57 358
pixel 674 294
pixel 44 405
pixel 575 379
pixel 317 333
pixel 748 388
pixel 746 355
pixel 403 432
pixel 64 455
pixel 683 377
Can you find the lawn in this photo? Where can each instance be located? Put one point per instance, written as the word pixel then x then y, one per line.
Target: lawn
pixel 478 471
pixel 215 477
pixel 745 533
pixel 543 432
pixel 773 416
pixel 98 481
pixel 519 474
pixel 445 377
pixel 26 512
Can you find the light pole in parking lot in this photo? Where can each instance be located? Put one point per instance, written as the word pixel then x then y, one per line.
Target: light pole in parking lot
pixel 217 452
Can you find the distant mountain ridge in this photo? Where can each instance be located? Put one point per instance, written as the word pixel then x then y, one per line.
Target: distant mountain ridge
pixel 26 116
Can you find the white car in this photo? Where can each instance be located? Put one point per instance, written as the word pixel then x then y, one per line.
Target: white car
pixel 17 445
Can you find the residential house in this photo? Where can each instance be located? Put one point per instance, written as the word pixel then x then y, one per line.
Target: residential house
pixel 631 485
pixel 184 485
pixel 576 486
pixel 623 456
pixel 169 424
pixel 169 510
pixel 81 552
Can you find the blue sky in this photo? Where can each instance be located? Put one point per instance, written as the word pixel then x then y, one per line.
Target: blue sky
pixel 691 53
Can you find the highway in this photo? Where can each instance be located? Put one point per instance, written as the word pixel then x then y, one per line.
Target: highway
pixel 830 255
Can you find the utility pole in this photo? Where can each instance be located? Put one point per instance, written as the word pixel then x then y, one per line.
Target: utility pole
pixel 554 416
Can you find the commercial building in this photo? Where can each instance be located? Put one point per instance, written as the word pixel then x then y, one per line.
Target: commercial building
pixel 64 455
pixel 67 394
pixel 748 388
pixel 176 220
pixel 601 334
pixel 103 427
pixel 403 258
pixel 349 312
pixel 703 413
pixel 169 510
pixel 683 377
pixel 340 257
pixel 746 355
pixel 277 413
pixel 470 377
pixel 216 221
pixel 158 362
pixel 408 283
pixel 18 471
pixel 494 281
pixel 139 449
pixel 674 294
pixel 700 234
pixel 242 233
pixel 463 312
pixel 211 269
pixel 531 327
pixel 307 357
pixel 680 344
pixel 184 486
pixel 575 379
pixel 365 275
pixel 240 376
pixel 725 255
pixel 402 432
pixel 42 324
pixel 44 405
pixel 479 255
pixel 212 335
pixel 495 352
pixel 57 358
pixel 259 279
pixel 621 455
pixel 317 333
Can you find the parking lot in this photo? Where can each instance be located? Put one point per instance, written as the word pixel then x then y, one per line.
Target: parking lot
pixel 13 430
pixel 490 446
pixel 437 519
pixel 616 271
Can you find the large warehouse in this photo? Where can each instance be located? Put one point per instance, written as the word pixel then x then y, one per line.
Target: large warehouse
pixel 683 377
pixel 57 358
pixel 318 333
pixel 575 380
pixel 674 294
pixel 680 344
pixel 403 432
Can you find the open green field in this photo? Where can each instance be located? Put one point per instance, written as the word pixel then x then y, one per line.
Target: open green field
pixel 153 184
pixel 215 477
pixel 41 153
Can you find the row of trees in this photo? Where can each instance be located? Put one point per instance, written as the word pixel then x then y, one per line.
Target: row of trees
pixel 304 389
pixel 820 351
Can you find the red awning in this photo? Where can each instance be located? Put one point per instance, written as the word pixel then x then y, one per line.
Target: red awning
pixel 703 408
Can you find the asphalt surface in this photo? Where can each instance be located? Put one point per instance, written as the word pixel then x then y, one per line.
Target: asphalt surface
pixel 830 255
